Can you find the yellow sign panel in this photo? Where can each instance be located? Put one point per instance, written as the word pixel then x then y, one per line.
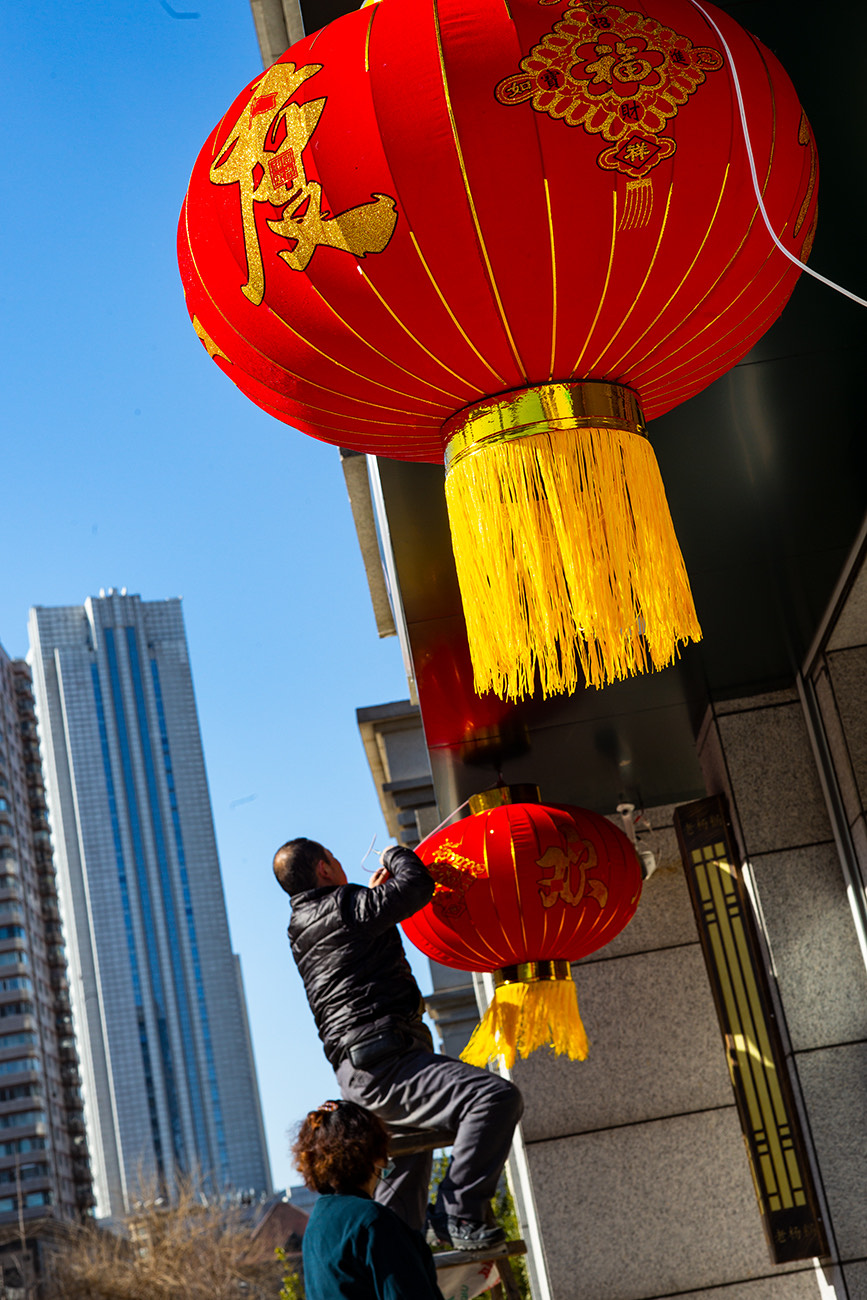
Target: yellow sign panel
pixel 754 1050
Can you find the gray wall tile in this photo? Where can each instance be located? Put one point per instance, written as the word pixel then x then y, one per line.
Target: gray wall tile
pixel 749 702
pixel 851 626
pixel 785 1286
pixel 859 839
pixel 856 1280
pixel 774 779
pixel 812 938
pixel 834 1083
pixel 664 917
pixel 681 1185
pixel 712 757
pixel 655 1049
pixel 848 669
pixel 837 744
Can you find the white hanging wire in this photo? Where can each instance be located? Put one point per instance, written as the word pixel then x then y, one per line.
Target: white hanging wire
pixel 444 821
pixel 800 265
pixel 452 814
pixel 369 849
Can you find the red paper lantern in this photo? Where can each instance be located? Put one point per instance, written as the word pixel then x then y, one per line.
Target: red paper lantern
pixel 504 236
pixel 522 890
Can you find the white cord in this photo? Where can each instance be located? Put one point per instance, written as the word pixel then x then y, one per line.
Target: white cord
pixel 802 266
pixel 452 814
pixel 369 850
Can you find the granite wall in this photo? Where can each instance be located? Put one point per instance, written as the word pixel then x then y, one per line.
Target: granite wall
pixel 639 1173
pixel 640 1179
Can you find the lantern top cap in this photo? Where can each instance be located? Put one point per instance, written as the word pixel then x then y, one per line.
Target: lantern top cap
pixel 503 794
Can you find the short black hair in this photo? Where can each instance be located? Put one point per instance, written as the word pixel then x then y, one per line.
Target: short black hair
pixel 295 865
pixel 338 1147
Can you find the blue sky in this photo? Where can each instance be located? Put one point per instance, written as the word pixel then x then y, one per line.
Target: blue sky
pixel 130 460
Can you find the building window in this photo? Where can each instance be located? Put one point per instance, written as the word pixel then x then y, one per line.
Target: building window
pixel 23 1039
pixel 17 1009
pixel 18 1066
pixel 19 1145
pixel 25 1172
pixel 17 1090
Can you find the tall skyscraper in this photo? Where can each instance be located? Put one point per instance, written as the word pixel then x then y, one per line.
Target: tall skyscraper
pixel 168 1077
pixel 44 1169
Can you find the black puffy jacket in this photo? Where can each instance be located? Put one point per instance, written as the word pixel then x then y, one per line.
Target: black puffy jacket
pixel 346 945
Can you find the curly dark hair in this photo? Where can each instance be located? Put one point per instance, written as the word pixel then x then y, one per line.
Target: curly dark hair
pixel 338 1147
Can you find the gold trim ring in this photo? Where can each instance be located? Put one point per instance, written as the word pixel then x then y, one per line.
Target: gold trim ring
pixel 532 972
pixel 528 411
pixel 500 795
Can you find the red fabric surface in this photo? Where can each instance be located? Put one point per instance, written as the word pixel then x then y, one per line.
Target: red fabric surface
pixel 508 263
pixel 525 882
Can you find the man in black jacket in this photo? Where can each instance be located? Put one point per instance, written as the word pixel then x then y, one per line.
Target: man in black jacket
pixel 368 1010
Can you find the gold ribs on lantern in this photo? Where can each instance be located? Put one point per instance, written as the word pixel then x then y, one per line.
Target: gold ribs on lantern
pixel 263 156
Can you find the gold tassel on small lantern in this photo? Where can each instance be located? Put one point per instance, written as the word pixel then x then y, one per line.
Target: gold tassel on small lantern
pixel 534 1005
pixel 565 550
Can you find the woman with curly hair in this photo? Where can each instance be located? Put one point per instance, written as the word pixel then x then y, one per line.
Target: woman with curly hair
pixel 354 1248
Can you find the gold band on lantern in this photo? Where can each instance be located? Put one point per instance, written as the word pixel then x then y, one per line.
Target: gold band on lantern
pixel 500 795
pixel 533 972
pixel 529 411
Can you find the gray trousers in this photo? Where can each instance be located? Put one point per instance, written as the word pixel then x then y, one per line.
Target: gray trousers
pixel 419 1089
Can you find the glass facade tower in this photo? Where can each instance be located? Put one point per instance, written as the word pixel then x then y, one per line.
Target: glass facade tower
pixel 169 1081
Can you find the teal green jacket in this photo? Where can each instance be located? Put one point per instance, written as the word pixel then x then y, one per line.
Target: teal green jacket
pixel 355 1249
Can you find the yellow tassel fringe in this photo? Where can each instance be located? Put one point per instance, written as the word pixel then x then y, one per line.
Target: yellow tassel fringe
pixel 567 560
pixel 524 1017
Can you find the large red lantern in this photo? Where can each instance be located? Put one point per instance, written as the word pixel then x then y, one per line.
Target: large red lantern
pixel 504 236
pixel 522 890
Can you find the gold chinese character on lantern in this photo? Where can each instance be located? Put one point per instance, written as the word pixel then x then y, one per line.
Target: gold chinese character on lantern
pixel 453 873
pixel 264 157
pixel 570 869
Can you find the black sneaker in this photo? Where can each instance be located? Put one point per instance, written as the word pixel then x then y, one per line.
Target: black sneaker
pixel 465 1234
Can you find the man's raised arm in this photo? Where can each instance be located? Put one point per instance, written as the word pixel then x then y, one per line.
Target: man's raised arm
pixel 405 889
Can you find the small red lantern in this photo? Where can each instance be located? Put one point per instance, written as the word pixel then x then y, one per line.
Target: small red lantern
pixel 501 236
pixel 522 890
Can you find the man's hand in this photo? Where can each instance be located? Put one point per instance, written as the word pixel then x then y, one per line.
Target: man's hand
pixel 379 877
